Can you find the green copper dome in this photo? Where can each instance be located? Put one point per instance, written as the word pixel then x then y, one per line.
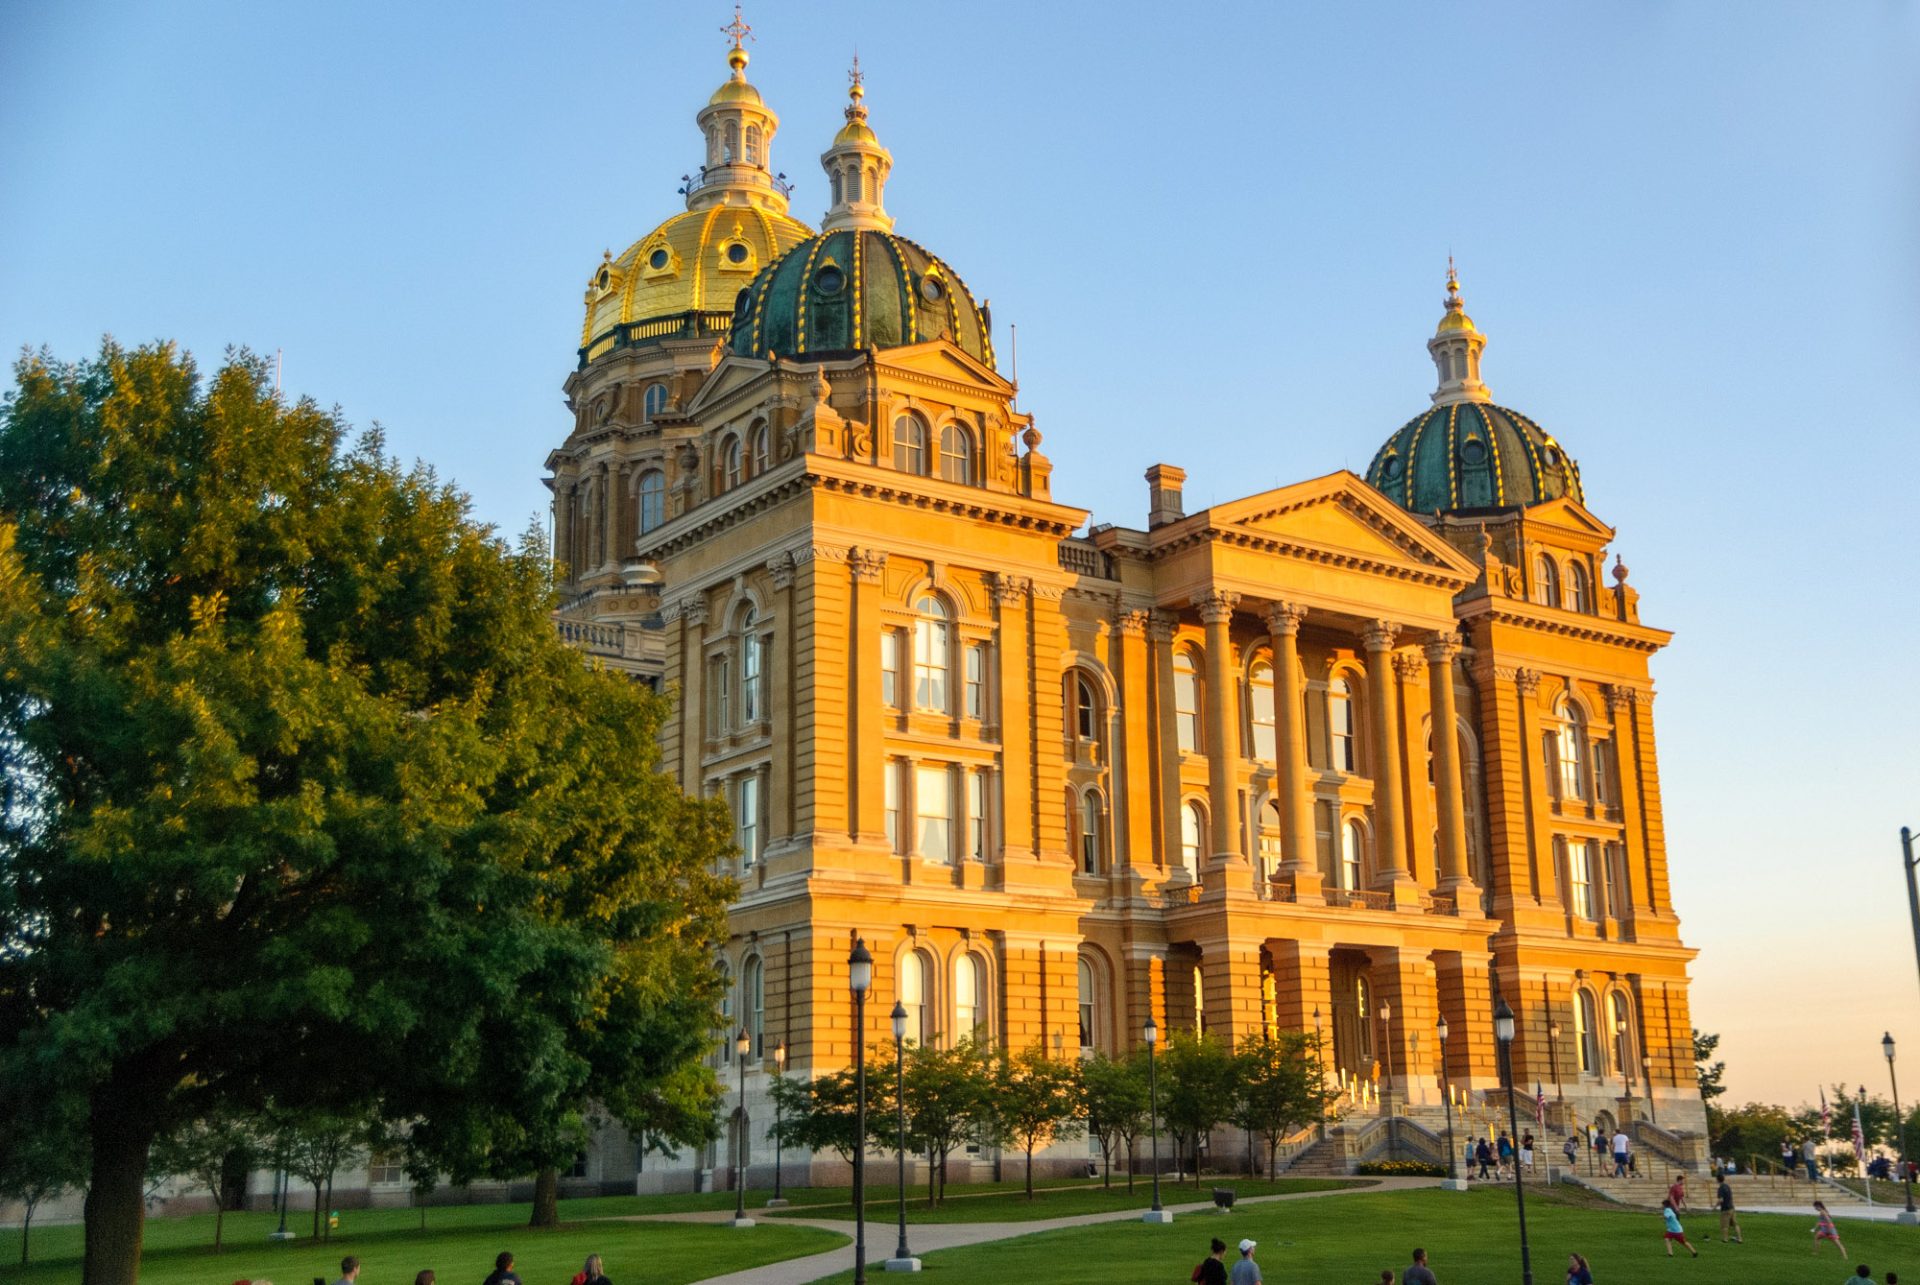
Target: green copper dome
pixel 846 290
pixel 1473 455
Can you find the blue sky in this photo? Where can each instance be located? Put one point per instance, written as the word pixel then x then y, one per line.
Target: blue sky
pixel 1689 231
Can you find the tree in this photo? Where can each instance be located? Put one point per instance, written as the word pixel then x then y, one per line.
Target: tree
pixel 947 1095
pixel 1034 1100
pixel 317 1144
pixel 1712 1074
pixel 817 1114
pixel 301 797
pixel 1754 1130
pixel 1281 1087
pixel 1113 1094
pixel 1198 1090
pixel 43 1152
pixel 210 1150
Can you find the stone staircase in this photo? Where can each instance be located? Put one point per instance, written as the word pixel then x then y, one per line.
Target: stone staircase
pixel 1749 1190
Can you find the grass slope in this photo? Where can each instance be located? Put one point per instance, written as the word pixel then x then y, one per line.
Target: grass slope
pixel 1001 1205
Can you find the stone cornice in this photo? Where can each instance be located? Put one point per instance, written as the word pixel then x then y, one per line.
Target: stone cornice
pixel 1567 624
pixel 1345 559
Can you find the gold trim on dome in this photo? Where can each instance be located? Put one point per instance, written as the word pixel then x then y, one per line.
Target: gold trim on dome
pixel 859 290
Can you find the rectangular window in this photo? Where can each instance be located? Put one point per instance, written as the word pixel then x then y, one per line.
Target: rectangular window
pixel 933 811
pixel 893 805
pixel 1614 867
pixel 977 816
pixel 1580 877
pixel 1602 785
pixel 890 668
pixel 750 678
pixel 722 695
pixel 1573 764
pixel 976 681
pixel 747 819
pixel 1550 755
pixel 1186 703
pixel 386 1169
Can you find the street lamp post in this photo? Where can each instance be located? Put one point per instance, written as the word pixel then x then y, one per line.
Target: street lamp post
pixel 1319 1060
pixel 1446 1092
pixel 860 980
pixel 903 1259
pixel 780 1069
pixel 1151 1034
pixel 1386 1038
pixel 1910 1214
pixel 742 1045
pixel 1626 1063
pixel 1503 1032
pixel 1553 1057
pixel 1646 1079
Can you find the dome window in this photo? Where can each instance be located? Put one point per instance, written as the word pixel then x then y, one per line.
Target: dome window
pixel 830 279
pixel 932 290
pixel 737 253
pixel 1391 469
pixel 657 260
pixel 1473 451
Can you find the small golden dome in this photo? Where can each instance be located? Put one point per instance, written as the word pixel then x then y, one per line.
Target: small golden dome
pixel 736 90
pixel 1456 322
pixel 856 131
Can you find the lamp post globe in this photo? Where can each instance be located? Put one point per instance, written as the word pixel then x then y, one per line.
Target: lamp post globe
pixel 859 981
pixel 902 1256
pixel 1150 1033
pixel 1386 1038
pixel 779 1069
pixel 1446 1095
pixel 1503 1031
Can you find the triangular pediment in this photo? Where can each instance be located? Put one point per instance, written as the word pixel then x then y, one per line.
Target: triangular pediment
pixel 1569 515
pixel 732 374
pixel 1341 515
pixel 943 359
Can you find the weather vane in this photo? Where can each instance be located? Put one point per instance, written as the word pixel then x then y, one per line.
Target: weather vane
pixel 738 29
pixel 856 76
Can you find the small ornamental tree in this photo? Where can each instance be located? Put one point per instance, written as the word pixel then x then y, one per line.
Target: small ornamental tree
pixel 1198 1090
pixel 818 1114
pixel 209 1150
pixel 948 1093
pixel 1113 1096
pixel 316 1145
pixel 43 1151
pixel 1281 1087
pixel 1711 1073
pixel 1035 1099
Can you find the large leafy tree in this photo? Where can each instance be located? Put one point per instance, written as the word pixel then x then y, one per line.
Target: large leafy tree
pixel 301 798
pixel 1281 1087
pixel 1712 1072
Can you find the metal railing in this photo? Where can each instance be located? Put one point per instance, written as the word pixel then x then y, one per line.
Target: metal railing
pixel 1359 899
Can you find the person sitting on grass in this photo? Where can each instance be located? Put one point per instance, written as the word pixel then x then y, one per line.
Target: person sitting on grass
pixel 503 1273
pixel 1418 1273
pixel 1862 1275
pixel 1825 1230
pixel 593 1273
pixel 1578 1273
pixel 1674 1231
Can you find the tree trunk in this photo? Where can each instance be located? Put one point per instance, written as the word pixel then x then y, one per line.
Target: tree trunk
pixel 1130 1165
pixel 26 1231
pixel 316 1209
pixel 546 1198
pixel 116 1206
pixel 327 1226
pixel 1029 1171
pixel 1106 1165
pixel 219 1221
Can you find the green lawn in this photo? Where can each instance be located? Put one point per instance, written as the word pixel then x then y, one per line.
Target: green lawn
pixel 459 1245
pixel 1470 1237
pixel 999 1204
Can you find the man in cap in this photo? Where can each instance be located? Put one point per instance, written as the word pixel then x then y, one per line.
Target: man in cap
pixel 1246 1271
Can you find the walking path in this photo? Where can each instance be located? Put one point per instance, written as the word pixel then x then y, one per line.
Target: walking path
pixel 928 1237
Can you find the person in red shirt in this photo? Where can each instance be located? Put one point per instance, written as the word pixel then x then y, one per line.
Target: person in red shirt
pixel 1677 1193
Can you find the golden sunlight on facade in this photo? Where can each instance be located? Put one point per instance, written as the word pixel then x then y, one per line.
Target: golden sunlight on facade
pixel 1351 755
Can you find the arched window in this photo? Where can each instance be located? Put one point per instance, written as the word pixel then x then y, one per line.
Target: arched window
pixel 1087 1006
pixel 1578 596
pixel 1345 747
pixel 1086 710
pixel 1621 1032
pixel 750 699
pixel 1186 701
pixel 913 995
pixel 1583 1032
pixel 730 464
pixel 1571 736
pixel 853 183
pixel 956 454
pixel 733 143
pixel 1270 853
pixel 910 444
pixel 1193 824
pixel 762 450
pixel 654 401
pixel 754 996
pixel 931 648
pixel 968 987
pixel 1261 714
pixel 1353 851
pixel 834 182
pixel 653 499
pixel 1546 581
pixel 1090 832
pixel 753 144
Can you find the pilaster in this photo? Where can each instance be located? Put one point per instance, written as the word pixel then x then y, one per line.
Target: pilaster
pixel 1299 853
pixel 1133 781
pixel 1455 878
pixel 867 754
pixel 1389 814
pixel 1016 719
pixel 1464 991
pixel 1166 756
pixel 1229 866
pixel 1403 984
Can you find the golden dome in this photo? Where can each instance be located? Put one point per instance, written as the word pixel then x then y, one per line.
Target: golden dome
pixel 694 262
pixel 856 131
pixel 1455 320
pixel 1455 323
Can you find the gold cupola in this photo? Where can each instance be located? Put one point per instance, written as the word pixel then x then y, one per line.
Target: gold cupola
pixel 1455 348
pixel 857 168
pixel 683 277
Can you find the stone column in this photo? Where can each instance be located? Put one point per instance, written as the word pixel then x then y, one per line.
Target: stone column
pixel 1303 983
pixel 867 755
pixel 1223 730
pixel 1016 718
pixel 1231 981
pixel 1166 753
pixel 1403 982
pixel 1300 854
pixel 1391 873
pixel 1540 859
pixel 693 706
pixel 1133 773
pixel 1620 706
pixel 1455 878
pixel 780 701
pixel 1465 992
pixel 563 506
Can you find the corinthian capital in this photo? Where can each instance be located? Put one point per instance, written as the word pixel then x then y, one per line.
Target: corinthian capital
pixel 693 610
pixel 1133 623
pixel 1441 651
pixel 1160 625
pixel 1009 590
pixel 1380 634
pixel 1528 681
pixel 1216 608
pixel 1283 619
pixel 866 565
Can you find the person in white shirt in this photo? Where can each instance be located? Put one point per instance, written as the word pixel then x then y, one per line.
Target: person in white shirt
pixel 1620 1148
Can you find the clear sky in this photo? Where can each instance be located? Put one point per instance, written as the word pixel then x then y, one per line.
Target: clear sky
pixel 1222 230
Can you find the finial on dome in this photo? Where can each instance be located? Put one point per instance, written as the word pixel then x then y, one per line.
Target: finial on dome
pixel 1619 571
pixel 1455 347
pixel 740 31
pixel 856 80
pixel 857 166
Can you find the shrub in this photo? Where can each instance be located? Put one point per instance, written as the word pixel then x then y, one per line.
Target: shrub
pixel 1402 1169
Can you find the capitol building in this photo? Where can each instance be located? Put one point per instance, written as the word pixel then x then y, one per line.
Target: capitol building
pixel 1351 756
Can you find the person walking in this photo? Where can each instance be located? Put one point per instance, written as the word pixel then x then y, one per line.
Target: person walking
pixel 503 1273
pixel 1812 1159
pixel 1418 1273
pixel 1212 1270
pixel 1620 1151
pixel 1572 1150
pixel 349 1271
pixel 1246 1271
pixel 1578 1273
pixel 1862 1275
pixel 1729 1219
pixel 1788 1152
pixel 1506 1155
pixel 1526 1151
pixel 424 1276
pixel 1674 1232
pixel 1483 1153
pixel 1677 1193
pixel 1825 1230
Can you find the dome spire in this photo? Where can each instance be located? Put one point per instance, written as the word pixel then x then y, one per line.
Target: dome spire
pixel 857 166
pixel 739 130
pixel 1455 348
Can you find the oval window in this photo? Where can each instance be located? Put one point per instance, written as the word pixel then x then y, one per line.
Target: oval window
pixel 1391 469
pixel 657 260
pixel 736 253
pixel 1474 451
pixel 931 289
pixel 829 280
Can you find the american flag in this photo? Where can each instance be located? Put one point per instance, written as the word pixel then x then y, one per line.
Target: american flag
pixel 1826 1115
pixel 1859 1136
pixel 1539 1104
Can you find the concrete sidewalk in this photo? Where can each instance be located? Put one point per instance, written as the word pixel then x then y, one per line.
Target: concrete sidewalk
pixel 927 1238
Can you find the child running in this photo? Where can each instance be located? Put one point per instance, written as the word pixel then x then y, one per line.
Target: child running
pixel 1674 1231
pixel 1825 1230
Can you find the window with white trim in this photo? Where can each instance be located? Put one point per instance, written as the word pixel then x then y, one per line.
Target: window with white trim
pixel 1572 737
pixel 956 454
pixel 932 636
pixel 655 400
pixel 1260 714
pixel 1087 1007
pixel 933 811
pixel 976 680
pixel 1352 855
pixel 750 700
pixel 892 788
pixel 747 818
pixel 653 500
pixel 910 444
pixel 1345 748
pixel 890 668
pixel 1580 877
pixel 977 815
pixel 1091 824
pixel 1269 832
pixel 968 987
pixel 1546 581
pixel 1583 1033
pixel 913 995
pixel 1086 710
pixel 1193 824
pixel 1186 701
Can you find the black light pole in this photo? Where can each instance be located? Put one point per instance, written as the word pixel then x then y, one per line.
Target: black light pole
pixel 1446 1083
pixel 901 1253
pixel 1503 1032
pixel 1152 1036
pixel 742 1045
pixel 1319 1058
pixel 1646 1078
pixel 1886 1046
pixel 780 1069
pixel 1386 1038
pixel 860 979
